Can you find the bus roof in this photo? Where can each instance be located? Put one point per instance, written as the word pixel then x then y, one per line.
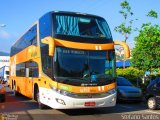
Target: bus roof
pixel 74 13
pixel 60 12
pixel 25 32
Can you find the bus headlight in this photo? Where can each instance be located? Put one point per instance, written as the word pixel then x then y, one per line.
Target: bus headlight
pixel 112 91
pixel 63 92
pixel 66 93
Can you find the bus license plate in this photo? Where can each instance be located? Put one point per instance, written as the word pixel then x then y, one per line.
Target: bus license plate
pixel 89 103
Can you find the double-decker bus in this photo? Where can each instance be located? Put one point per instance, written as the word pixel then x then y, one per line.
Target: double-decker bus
pixel 66 60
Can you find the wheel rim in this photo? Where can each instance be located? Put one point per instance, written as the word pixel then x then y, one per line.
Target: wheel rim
pixel 151 103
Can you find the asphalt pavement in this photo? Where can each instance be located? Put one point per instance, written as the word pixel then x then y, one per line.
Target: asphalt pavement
pixel 23 108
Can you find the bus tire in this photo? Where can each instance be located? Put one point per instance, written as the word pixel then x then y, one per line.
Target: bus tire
pixel 15 93
pixel 35 92
pixel 40 105
pixel 4 99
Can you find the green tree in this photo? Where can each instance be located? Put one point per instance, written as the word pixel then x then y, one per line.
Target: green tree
pixel 125 27
pixel 130 73
pixel 146 54
pixel 152 13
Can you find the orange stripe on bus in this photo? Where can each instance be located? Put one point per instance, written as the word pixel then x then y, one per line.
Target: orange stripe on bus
pixel 88 89
pixel 84 46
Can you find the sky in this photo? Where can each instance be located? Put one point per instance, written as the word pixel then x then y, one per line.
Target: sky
pixel 16 16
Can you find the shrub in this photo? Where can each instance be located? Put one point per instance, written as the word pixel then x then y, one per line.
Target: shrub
pixel 131 74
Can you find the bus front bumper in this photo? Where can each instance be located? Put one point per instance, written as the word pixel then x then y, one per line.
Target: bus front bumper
pixel 58 101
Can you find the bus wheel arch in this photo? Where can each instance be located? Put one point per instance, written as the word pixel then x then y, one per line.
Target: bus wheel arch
pixel 37 97
pixel 12 85
pixel 35 91
pixel 15 93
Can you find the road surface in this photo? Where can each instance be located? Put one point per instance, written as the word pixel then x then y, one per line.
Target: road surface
pixel 22 108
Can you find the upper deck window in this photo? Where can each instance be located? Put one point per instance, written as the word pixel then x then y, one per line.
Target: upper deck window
pixel 70 26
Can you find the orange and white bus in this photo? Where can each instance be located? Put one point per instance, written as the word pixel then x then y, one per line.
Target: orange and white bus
pixel 66 60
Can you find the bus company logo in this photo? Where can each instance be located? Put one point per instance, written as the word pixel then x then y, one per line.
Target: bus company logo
pixel 90 96
pixel 90 84
pixel 34 54
pixel 85 90
pixel 32 51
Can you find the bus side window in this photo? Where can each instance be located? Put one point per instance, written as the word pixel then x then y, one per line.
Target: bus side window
pixel 20 70
pixel 33 35
pixel 33 69
pixel 29 38
pixel 47 65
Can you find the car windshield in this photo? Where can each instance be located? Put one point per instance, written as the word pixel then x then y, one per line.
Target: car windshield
pixel 121 81
pixel 83 67
pixel 152 82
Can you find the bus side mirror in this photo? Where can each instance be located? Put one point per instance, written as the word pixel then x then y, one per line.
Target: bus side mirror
pixel 51 44
pixel 126 48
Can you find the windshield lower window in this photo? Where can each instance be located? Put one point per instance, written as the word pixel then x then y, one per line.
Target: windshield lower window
pixel 79 67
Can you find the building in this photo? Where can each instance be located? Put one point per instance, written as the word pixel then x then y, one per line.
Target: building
pixel 4 60
pixel 4 66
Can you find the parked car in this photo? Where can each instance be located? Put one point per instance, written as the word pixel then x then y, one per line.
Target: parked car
pixel 127 91
pixel 153 94
pixel 2 93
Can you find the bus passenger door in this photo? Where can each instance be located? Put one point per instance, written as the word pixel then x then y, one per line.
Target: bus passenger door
pixel 32 76
pixel 28 83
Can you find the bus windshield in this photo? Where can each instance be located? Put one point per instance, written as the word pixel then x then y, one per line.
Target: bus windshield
pixel 79 67
pixel 81 26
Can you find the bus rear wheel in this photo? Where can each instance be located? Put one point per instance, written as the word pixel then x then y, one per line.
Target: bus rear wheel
pixel 3 98
pixel 40 105
pixel 15 93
